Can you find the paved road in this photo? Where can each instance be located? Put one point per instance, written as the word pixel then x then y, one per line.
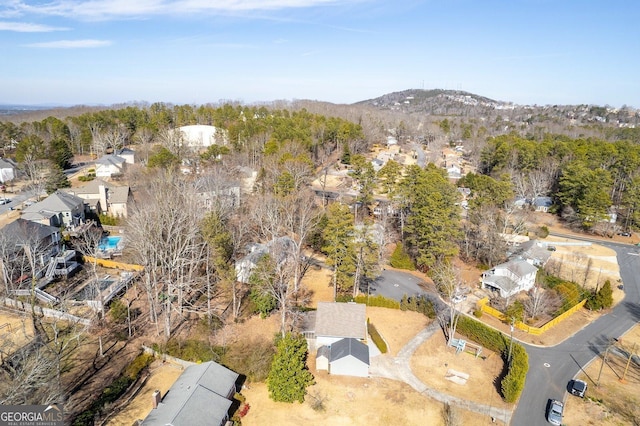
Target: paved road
pixel 395 284
pixel 551 369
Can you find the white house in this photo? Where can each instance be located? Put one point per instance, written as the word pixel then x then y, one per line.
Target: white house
pixel 349 357
pixel 110 165
pixel 542 204
pixel 281 247
pixel 7 171
pixel 128 155
pixel 510 278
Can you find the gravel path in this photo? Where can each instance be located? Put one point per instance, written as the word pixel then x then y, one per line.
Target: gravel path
pixel 399 368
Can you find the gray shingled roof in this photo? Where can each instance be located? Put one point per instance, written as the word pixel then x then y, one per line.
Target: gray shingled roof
pixel 111 159
pixel 341 320
pixel 499 281
pixel 197 398
pixel 345 347
pixel 116 194
pixel 519 267
pixel 22 230
pixel 59 201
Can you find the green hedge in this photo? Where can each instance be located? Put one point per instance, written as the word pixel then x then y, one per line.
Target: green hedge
pixel 380 301
pixel 513 383
pixel 376 337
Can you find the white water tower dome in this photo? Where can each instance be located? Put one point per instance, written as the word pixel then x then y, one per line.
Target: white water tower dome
pixel 200 135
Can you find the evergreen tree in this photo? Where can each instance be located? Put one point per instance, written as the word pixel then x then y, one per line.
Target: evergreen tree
pixel 57 179
pixel 288 378
pixel 433 224
pixel 338 239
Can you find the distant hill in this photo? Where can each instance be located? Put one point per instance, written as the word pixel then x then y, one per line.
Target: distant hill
pixel 456 103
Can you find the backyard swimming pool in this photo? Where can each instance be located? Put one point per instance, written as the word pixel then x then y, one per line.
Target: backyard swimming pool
pixel 109 243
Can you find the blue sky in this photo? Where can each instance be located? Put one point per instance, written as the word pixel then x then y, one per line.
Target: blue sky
pixel 69 52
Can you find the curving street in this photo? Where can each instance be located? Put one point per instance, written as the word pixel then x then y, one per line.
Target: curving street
pixel 551 368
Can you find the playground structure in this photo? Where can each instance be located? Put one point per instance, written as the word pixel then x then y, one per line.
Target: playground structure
pixel 462 345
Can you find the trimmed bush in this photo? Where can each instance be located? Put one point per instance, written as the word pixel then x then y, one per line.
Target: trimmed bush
pixel 379 301
pixel 376 337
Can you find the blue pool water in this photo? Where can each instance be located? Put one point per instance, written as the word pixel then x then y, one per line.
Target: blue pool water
pixel 109 243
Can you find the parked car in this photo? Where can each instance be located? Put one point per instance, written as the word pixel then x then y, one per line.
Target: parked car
pixel 624 234
pixel 578 388
pixel 458 298
pixel 554 416
pixel 4 201
pixel 551 248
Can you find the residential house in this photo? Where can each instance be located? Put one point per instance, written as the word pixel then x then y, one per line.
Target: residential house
pixel 349 357
pixel 104 197
pixel 510 278
pixel 7 170
pixel 281 248
pixel 534 252
pixel 128 154
pixel 109 166
pixel 42 241
pixel 58 209
pixel 339 333
pixel 216 192
pixel 336 321
pixel 202 396
pixel 542 204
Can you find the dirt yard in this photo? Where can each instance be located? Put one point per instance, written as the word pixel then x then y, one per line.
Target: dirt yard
pixel 16 330
pixel 434 363
pixel 615 401
pixel 161 377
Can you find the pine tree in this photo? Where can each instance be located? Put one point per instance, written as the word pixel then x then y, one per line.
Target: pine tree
pixel 57 179
pixel 288 378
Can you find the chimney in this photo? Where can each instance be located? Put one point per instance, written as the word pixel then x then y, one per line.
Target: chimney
pixel 102 189
pixel 155 396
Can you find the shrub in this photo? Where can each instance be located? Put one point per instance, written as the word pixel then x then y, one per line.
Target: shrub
pixel 376 337
pixel 109 220
pixel 477 313
pixel 543 232
pixel 378 300
pixel 87 178
pixel 191 350
pixel 400 259
pixel 252 357
pixel 418 304
pixel 602 299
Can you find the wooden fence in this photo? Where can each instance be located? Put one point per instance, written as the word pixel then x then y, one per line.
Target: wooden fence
pixel 107 263
pixel 536 331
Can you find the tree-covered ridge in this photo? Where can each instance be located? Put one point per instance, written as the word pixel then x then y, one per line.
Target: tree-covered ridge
pixel 585 177
pixel 244 125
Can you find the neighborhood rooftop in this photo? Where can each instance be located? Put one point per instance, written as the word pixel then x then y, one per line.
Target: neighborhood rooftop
pixel 341 320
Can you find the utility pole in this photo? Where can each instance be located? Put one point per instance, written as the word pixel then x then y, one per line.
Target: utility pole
pixel 604 361
pixel 628 362
pixel 510 343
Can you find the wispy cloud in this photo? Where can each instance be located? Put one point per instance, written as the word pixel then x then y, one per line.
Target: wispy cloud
pixel 26 27
pixel 71 44
pixel 113 9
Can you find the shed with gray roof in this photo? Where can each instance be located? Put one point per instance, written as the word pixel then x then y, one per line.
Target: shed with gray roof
pixel 349 357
